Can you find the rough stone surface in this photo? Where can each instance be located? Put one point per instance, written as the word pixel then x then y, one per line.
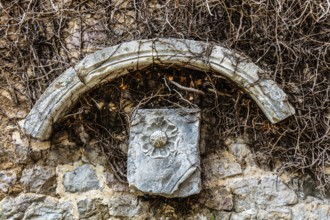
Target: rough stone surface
pixel 206 215
pixel 81 179
pixel 221 166
pixel 63 150
pixel 261 192
pixel 49 210
pixel 314 210
pixel 34 206
pixel 218 198
pixel 93 154
pixel 114 184
pixel 125 205
pixel 39 145
pixel 92 209
pixel 163 156
pixel 239 148
pixel 21 145
pixel 39 179
pixel 260 214
pixel 221 216
pixel 7 178
pixel 14 208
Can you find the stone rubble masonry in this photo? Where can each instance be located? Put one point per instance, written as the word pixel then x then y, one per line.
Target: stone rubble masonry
pixel 234 188
pixel 261 192
pixel 35 206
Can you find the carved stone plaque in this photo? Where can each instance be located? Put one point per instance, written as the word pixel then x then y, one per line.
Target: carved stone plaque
pixel 163 155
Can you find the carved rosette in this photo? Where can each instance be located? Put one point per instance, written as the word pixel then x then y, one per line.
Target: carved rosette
pixel 163 155
pixel 160 138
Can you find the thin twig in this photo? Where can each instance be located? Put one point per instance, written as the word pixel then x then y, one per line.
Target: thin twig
pixel 186 88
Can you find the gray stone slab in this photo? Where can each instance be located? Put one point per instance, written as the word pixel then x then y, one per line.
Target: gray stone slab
pixel 82 179
pixel 163 155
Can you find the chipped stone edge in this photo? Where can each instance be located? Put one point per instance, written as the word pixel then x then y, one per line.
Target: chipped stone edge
pixel 113 62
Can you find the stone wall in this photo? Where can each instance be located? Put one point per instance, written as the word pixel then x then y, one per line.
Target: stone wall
pixel 61 181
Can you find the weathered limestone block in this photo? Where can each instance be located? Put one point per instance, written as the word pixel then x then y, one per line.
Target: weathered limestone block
pixel 14 208
pixel 93 154
pixel 163 156
pixel 124 205
pixel 202 214
pixel 221 166
pixel 113 62
pixel 7 178
pixel 283 214
pixel 33 206
pixel 92 209
pixel 261 192
pixel 21 145
pixel 37 145
pixel 81 179
pixel 218 198
pixel 8 106
pixel 114 184
pixel 39 179
pixel 314 210
pixel 49 209
pixel 239 148
pixel 64 151
pixel 220 216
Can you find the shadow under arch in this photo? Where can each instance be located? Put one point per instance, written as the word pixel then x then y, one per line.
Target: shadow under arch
pixel 113 62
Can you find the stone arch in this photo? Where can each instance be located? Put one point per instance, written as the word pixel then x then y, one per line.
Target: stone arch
pixel 110 63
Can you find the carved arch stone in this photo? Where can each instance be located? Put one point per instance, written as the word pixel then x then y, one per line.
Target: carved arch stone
pixel 110 63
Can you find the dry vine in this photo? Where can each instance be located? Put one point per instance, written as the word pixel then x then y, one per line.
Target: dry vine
pixel 40 39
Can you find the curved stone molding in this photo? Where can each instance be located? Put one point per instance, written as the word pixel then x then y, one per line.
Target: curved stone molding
pixel 110 63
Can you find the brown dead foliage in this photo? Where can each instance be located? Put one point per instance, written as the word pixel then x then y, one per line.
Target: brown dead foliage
pixel 291 39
